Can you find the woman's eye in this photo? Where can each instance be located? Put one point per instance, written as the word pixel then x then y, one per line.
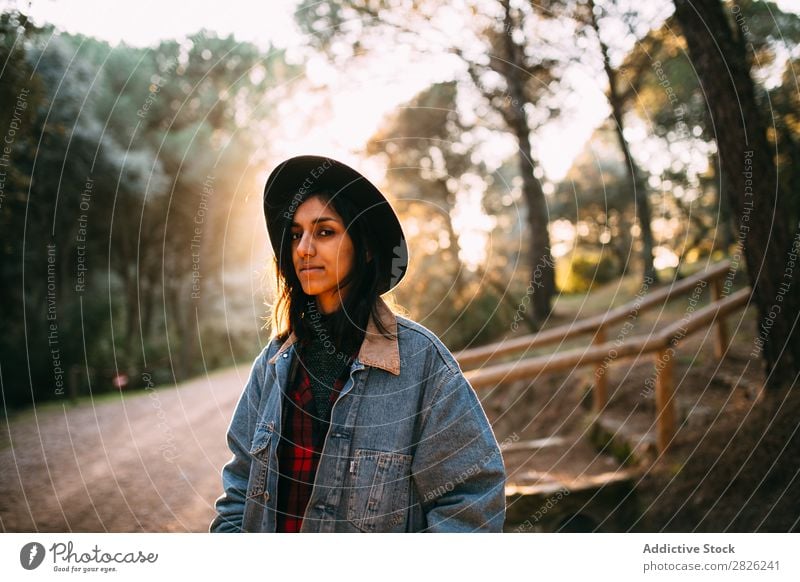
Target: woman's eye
pixel 325 232
pixel 295 236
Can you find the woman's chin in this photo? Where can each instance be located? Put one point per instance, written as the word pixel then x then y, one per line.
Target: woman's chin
pixel 312 290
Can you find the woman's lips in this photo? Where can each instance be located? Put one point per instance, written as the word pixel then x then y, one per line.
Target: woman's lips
pixel 310 269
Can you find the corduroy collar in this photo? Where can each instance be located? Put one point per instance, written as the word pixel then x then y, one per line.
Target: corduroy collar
pixel 377 350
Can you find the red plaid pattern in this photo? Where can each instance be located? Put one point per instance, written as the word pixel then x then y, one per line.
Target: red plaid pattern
pixel 300 449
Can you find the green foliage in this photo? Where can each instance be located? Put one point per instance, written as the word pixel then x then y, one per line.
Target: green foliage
pixel 668 94
pixel 581 270
pixel 125 166
pixel 785 101
pixel 423 147
pixel 482 320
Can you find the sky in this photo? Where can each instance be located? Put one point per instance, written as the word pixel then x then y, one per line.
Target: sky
pixel 257 21
pixel 145 22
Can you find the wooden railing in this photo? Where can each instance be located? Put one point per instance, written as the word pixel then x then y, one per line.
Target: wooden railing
pixel 662 345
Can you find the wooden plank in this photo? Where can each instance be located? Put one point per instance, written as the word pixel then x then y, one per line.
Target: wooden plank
pixel 527 368
pixel 600 387
pixel 535 444
pixel 721 329
pixel 663 344
pixel 665 401
pixel 608 351
pixel 480 356
pixel 705 316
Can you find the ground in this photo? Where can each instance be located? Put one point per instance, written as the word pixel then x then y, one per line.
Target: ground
pixel 146 461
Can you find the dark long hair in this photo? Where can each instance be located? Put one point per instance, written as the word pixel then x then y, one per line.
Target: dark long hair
pixel 294 310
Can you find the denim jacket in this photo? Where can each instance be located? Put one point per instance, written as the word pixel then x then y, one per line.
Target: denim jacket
pixel 409 447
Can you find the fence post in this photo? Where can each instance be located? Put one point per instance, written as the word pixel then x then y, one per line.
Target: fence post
pixel 600 398
pixel 721 330
pixel 665 403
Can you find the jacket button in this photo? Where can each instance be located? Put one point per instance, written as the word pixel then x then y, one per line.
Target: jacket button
pixel 285 355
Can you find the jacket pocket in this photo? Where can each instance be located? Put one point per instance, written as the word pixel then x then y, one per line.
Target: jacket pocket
pixel 257 494
pixel 379 490
pixel 259 453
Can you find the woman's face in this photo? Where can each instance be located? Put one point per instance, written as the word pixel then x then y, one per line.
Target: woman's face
pixel 322 252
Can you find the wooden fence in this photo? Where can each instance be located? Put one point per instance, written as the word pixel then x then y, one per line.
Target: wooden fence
pixel 482 373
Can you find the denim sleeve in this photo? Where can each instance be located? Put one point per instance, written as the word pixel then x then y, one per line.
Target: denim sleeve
pixel 458 469
pixel 235 473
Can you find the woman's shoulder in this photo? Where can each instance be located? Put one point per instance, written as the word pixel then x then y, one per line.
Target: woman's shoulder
pixel 269 350
pixel 415 338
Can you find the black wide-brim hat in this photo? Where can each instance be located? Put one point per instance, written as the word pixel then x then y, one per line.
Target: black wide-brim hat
pixel 292 179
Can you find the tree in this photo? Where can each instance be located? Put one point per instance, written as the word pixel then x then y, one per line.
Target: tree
pixel 750 175
pixel 99 205
pixel 595 197
pixel 514 71
pixel 589 17
pixel 418 144
pixel 670 98
pixel 430 151
pixel 189 115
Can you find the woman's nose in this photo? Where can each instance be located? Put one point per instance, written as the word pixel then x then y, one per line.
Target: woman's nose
pixel 305 246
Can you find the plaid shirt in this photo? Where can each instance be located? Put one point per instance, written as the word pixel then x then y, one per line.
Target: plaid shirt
pixel 300 449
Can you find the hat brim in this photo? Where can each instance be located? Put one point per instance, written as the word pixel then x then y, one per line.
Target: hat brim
pixel 292 179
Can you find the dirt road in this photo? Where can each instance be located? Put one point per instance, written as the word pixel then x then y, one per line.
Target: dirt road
pixel 147 462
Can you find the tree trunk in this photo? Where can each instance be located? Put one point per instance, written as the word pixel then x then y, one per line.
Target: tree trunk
pixel 181 318
pixel 749 175
pixel 132 341
pixel 455 245
pixel 725 221
pixel 640 198
pixel 542 280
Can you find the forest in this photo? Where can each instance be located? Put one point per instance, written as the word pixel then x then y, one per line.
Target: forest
pixel 554 148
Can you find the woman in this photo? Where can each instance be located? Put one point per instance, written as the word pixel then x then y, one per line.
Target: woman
pixel 354 418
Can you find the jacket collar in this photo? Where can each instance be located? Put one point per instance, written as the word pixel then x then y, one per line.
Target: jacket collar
pixel 377 350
